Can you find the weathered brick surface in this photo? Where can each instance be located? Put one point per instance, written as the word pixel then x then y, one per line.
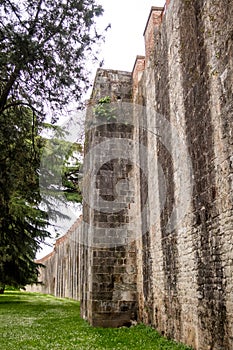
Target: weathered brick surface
pixel 154 19
pixel 186 279
pixel 138 69
pixel 109 286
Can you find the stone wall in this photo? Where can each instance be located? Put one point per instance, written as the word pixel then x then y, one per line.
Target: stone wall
pixel 188 80
pixel 109 286
pixel 182 251
pixel 164 151
pixel 61 271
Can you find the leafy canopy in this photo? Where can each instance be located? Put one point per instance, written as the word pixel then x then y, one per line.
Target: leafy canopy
pixel 44 46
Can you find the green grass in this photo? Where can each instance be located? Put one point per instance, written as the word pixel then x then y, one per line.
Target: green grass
pixel 30 321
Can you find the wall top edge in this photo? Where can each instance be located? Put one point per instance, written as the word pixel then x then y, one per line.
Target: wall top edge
pixel 114 71
pixel 45 258
pixel 60 240
pixel 153 8
pixel 138 57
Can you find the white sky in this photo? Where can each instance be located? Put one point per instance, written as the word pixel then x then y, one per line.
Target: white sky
pixel 124 41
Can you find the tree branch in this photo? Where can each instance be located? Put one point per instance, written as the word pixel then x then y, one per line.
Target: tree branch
pixel 6 91
pixel 19 103
pixel 14 9
pixel 32 28
pixel 57 27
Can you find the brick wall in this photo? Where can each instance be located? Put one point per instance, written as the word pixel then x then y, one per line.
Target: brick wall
pixel 154 19
pixel 186 275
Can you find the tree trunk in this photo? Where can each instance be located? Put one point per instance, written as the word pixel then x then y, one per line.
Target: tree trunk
pixel 7 89
pixel 2 288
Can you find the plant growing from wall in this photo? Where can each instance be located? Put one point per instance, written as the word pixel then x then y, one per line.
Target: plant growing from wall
pixel 104 109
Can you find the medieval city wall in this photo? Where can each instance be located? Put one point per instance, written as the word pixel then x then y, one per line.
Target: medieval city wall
pixel 166 258
pixel 185 291
pixel 61 273
pixel 183 253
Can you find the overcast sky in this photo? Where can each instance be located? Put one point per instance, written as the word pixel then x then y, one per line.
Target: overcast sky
pixel 124 40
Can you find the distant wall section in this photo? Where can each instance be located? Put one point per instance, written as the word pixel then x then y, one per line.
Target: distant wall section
pixel 61 271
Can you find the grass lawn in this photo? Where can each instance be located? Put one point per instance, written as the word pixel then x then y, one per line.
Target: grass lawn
pixel 34 321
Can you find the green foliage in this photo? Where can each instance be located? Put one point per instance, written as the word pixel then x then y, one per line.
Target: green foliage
pixel 11 288
pixel 22 223
pixel 71 173
pixel 44 45
pixel 34 321
pixel 105 110
pixel 60 169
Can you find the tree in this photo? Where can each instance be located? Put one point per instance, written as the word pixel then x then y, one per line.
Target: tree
pixel 71 173
pixel 44 46
pixel 60 173
pixel 23 225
